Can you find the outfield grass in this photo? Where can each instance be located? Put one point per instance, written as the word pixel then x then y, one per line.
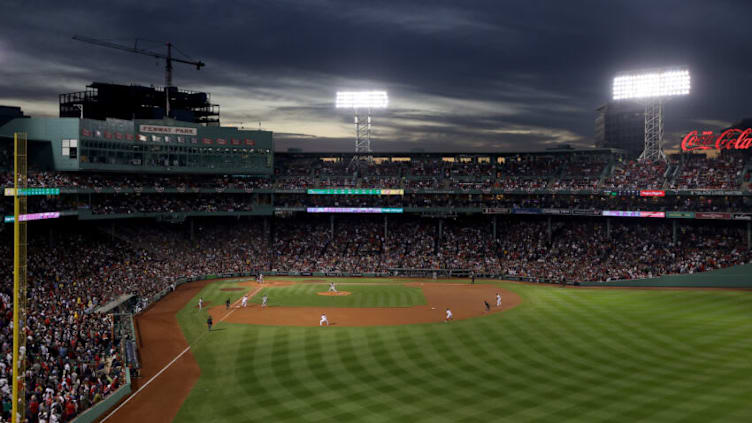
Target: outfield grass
pixel 304 295
pixel 577 355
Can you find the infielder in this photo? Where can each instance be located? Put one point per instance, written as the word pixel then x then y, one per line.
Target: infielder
pixel 323 320
pixel 260 278
pixel 200 303
pixel 449 316
pixel 332 288
pixel 264 299
pixel 498 300
pixel 244 302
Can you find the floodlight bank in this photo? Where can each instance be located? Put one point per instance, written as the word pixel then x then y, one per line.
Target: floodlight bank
pixel 362 99
pixel 654 84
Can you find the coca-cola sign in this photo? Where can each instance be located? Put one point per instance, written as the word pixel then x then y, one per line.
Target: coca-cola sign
pixel 730 139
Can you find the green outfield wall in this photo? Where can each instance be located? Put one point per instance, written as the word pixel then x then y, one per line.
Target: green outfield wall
pixel 730 277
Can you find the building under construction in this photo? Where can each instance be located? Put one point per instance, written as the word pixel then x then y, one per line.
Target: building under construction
pixel 129 102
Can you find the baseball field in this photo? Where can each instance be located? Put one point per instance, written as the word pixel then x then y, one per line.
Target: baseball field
pixel 549 354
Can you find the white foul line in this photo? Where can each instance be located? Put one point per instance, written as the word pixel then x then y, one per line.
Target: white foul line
pixel 130 397
pixel 146 384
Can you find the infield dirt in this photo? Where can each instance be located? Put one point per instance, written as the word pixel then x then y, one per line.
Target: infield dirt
pixel 465 301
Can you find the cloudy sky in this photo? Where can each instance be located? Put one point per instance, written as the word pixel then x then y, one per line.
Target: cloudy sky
pixel 461 75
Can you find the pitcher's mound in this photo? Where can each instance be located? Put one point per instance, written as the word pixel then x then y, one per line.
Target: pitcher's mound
pixel 334 294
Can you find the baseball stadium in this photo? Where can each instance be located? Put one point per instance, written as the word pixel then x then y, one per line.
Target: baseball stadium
pixel 583 285
pixel 161 265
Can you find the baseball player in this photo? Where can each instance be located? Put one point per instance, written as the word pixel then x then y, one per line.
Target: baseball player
pixel 260 278
pixel 227 304
pixel 449 316
pixel 498 300
pixel 244 302
pixel 200 303
pixel 323 320
pixel 332 288
pixel 488 306
pixel 209 322
pixel 264 299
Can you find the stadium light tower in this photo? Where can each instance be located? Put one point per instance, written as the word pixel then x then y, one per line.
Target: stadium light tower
pixel 652 87
pixel 362 102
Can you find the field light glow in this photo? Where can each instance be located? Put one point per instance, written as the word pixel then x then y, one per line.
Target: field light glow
pixel 663 83
pixel 362 99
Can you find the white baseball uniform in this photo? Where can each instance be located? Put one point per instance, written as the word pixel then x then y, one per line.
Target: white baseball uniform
pixel 263 300
pixel 449 314
pixel 245 300
pixel 498 300
pixel 200 303
pixel 323 320
pixel 332 288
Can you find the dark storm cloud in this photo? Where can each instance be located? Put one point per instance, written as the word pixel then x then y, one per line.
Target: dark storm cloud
pixel 471 75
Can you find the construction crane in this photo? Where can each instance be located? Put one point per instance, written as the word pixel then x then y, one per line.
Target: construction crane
pixel 168 61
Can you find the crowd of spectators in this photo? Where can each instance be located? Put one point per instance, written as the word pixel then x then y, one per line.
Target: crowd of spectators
pixel 696 171
pixel 575 252
pixel 524 172
pixel 637 175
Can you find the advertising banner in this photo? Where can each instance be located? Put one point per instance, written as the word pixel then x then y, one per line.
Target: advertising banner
pixel 680 215
pixel 557 211
pixel 496 210
pixel 621 213
pixel 586 212
pixel 653 214
pixel 712 215
pixel 527 211
pixel 653 193
pixel 353 210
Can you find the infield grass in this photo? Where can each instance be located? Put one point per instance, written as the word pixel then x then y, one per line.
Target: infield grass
pixel 563 355
pixel 305 295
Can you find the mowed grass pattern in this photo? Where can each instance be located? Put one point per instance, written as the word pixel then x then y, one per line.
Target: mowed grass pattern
pixel 564 355
pixel 304 295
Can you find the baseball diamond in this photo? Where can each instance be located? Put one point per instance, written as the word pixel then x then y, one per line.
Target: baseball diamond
pixel 678 354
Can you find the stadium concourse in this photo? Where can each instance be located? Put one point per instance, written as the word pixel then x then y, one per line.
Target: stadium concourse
pixel 137 234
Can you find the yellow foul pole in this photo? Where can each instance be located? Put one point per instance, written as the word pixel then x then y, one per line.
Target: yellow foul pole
pixel 19 278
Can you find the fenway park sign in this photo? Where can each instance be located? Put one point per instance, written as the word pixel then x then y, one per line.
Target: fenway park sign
pixel 730 139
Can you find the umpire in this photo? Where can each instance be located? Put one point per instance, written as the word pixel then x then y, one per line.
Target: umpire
pixel 209 322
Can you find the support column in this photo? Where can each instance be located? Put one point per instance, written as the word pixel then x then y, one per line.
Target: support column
pixel 548 228
pixel 386 230
pixel 331 226
pixel 608 228
pixel 493 223
pixel 673 232
pixel 190 229
pixel 749 235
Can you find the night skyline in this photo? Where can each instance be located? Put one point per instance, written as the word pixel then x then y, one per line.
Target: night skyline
pixel 475 76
